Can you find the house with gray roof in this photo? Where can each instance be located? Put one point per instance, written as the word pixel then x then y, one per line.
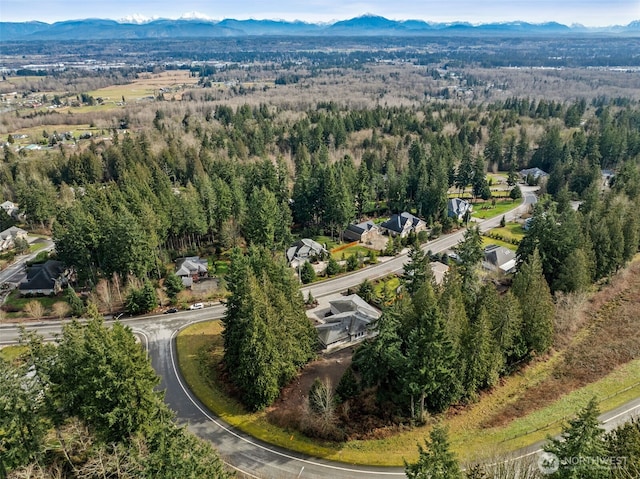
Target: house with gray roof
pixel 191 268
pixel 351 320
pixel 457 208
pixel 305 250
pixel 499 258
pixel 402 224
pixel 535 173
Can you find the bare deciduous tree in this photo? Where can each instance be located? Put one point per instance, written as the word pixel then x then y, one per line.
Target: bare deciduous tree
pixel 34 309
pixel 60 309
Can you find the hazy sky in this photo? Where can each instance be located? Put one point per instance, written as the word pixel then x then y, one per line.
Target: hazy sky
pixel 587 12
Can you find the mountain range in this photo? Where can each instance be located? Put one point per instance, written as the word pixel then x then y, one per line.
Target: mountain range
pixel 366 25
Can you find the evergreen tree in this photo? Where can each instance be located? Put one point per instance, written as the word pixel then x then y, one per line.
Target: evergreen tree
pixel 471 253
pixel 436 460
pixel 173 285
pixel 532 291
pixel 581 447
pixel 417 270
pixel 307 273
pixel 267 335
pixel 430 355
pixel 624 442
pixel 333 267
pixel 348 386
pixel 22 422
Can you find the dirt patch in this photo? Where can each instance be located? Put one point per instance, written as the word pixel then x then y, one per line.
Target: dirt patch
pixel 332 367
pixel 602 337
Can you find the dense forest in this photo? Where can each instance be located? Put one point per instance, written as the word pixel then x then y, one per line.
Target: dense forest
pixel 248 176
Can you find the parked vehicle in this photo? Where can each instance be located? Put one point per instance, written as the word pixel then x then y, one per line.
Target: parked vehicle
pixel 171 310
pixel 196 306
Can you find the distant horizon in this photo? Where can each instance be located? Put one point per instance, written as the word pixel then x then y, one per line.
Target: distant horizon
pixel 194 16
pixel 589 13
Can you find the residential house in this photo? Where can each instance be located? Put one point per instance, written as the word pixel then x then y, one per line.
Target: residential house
pixel 402 224
pixel 499 258
pixel 362 232
pixel 10 208
pixel 457 208
pixel 45 278
pixel 191 269
pixel 350 321
pixel 9 236
pixel 535 173
pixel 305 250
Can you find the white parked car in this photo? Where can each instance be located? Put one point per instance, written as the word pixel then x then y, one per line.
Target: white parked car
pixel 196 306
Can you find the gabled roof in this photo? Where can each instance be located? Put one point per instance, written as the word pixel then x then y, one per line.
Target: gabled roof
pixel 362 227
pixel 457 207
pixel 354 303
pixel 400 222
pixel 534 172
pixel 500 257
pixel 191 265
pixel 13 232
pixel 342 327
pixel 304 249
pixel 42 276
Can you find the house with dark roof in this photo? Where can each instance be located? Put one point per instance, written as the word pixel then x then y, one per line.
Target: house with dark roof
pixel 45 278
pixel 457 208
pixel 402 224
pixel 351 321
pixel 9 236
pixel 361 232
pixel 499 258
pixel 191 268
pixel 305 250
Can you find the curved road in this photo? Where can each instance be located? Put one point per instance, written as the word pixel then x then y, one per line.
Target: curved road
pixel 246 454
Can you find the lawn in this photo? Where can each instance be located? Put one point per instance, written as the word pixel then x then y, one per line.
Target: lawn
pixel 200 349
pixel 349 251
pixel 486 210
pixel 510 231
pixel 328 241
pixel 17 302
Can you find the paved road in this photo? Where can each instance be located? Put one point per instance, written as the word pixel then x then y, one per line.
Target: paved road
pixel 253 457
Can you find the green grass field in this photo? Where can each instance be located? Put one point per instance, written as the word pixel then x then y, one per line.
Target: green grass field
pixel 485 210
